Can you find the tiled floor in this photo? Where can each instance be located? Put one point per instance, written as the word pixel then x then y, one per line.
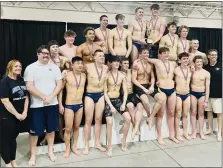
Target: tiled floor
pixel 195 153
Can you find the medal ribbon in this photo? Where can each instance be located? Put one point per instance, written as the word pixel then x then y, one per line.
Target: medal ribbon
pixel 185 76
pixel 99 75
pixel 141 25
pixel 104 35
pixel 172 41
pixel 167 70
pixel 115 80
pixel 91 49
pixel 120 36
pixel 154 25
pixel 77 83
pixel 184 47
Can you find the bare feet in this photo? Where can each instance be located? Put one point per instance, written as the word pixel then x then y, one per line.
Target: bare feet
pixel 52 157
pixel 161 142
pixel 194 135
pixel 66 153
pixel 150 121
pixel 76 151
pixel 138 132
pixel 32 161
pixel 187 137
pixel 219 137
pixel 174 139
pixel 13 163
pixel 124 146
pixel 179 138
pixel 134 132
pixel 99 147
pixel 109 153
pixel 208 132
pixel 203 137
pixel 85 151
pixel 8 165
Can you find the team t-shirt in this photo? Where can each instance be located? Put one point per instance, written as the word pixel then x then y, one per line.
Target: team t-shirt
pixel 15 90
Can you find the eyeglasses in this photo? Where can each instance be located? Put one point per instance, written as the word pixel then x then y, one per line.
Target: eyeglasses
pixel 45 53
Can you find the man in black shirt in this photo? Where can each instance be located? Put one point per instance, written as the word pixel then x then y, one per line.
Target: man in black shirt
pixel 214 67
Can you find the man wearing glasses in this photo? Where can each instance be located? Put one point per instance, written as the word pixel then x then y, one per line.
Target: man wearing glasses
pixel 43 81
pixel 214 67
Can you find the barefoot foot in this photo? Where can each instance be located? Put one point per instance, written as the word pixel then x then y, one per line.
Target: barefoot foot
pixel 219 137
pixel 124 146
pixel 138 132
pixel 66 153
pixel 109 153
pixel 52 157
pixel 134 133
pixel 179 138
pixel 99 147
pixel 8 165
pixel 208 132
pixel 194 136
pixel 13 163
pixel 174 140
pixel 32 161
pixel 150 122
pixel 203 137
pixel 161 142
pixel 76 151
pixel 187 137
pixel 86 151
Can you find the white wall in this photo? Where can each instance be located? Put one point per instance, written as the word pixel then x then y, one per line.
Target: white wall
pixel 89 17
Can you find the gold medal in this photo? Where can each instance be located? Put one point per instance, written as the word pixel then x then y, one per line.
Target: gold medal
pixel 153 31
pixel 186 83
pixel 78 91
pixel 149 40
pixel 91 58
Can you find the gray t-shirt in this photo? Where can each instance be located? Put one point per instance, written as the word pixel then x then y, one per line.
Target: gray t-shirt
pixel 44 78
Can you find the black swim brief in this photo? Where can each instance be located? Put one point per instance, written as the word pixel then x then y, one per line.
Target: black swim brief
pixel 132 98
pixel 117 104
pixel 140 92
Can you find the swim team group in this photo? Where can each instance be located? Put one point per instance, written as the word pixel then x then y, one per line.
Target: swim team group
pixel 113 71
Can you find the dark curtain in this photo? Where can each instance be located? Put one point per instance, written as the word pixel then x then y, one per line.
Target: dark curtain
pixel 20 39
